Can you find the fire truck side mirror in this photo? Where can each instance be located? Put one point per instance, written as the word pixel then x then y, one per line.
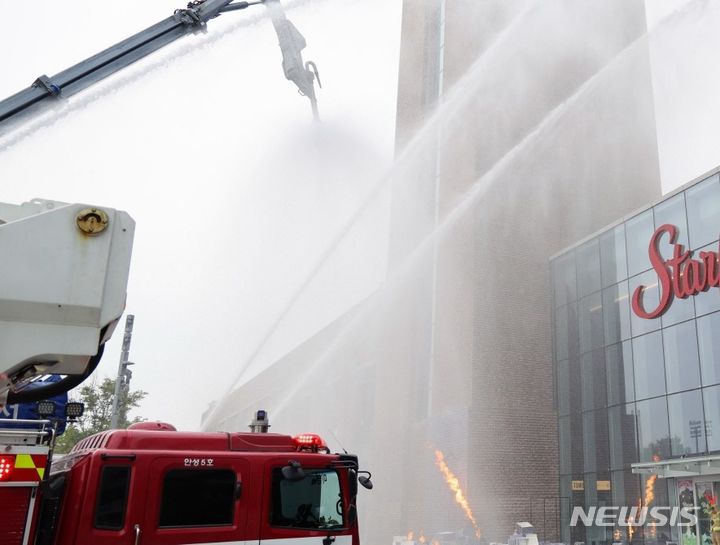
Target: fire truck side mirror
pixel 293 471
pixel 365 481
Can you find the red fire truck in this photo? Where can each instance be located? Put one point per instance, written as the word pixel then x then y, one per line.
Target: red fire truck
pixel 149 485
pixel 153 485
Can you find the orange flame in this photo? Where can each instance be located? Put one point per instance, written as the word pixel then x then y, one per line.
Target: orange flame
pixel 454 483
pixel 650 497
pixel 650 490
pixel 631 520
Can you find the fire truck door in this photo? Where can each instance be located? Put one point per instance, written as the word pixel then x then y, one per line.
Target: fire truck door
pixel 114 496
pixel 195 499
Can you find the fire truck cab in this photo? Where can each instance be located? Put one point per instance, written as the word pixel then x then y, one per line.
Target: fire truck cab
pixel 150 484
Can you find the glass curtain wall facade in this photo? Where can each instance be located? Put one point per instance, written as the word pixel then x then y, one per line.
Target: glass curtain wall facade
pixel 630 389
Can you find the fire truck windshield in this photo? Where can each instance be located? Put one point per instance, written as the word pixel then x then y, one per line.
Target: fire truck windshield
pixel 314 502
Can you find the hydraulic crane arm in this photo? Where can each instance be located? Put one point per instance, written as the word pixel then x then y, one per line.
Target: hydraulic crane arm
pixel 184 21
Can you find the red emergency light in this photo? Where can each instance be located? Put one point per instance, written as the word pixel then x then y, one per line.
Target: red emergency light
pixel 310 441
pixel 7 464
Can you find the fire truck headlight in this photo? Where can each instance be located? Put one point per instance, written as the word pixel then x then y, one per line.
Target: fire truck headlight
pixel 46 409
pixel 74 409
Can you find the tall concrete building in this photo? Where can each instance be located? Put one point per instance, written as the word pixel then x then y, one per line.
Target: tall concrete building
pixel 554 137
pixel 521 128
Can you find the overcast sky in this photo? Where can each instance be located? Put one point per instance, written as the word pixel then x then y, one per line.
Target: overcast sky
pixel 236 194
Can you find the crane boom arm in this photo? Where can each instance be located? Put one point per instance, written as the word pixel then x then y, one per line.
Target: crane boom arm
pixel 96 68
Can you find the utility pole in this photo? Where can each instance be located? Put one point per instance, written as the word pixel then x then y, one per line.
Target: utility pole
pixel 122 383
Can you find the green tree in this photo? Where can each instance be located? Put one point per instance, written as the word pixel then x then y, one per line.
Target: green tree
pixel 98 400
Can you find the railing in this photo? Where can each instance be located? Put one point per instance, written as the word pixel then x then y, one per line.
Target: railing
pixel 25 432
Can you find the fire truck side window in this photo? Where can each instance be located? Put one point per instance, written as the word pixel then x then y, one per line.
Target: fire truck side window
pixel 197 497
pixel 112 498
pixel 314 502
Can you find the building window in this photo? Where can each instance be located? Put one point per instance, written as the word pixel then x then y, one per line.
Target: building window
pixel 565 448
pixel 678 311
pixel 565 279
pixel 622 430
pixel 112 498
pixel 588 268
pixel 563 387
pixel 648 361
pixel 592 366
pixel 613 257
pixel 592 330
pixel 653 429
pixel 577 459
pixel 707 301
pixel 672 211
pixel 651 299
pixel 638 232
pixel 595 439
pixel 596 493
pixel 566 332
pixel 565 506
pixel 575 378
pixel 626 488
pixel 709 345
pixel 682 370
pixel 616 313
pixel 711 397
pixel 197 497
pixel 687 423
pixel 703 205
pixel 619 370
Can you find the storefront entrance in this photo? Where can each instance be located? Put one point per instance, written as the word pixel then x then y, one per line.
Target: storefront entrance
pixel 700 494
pixel 694 483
